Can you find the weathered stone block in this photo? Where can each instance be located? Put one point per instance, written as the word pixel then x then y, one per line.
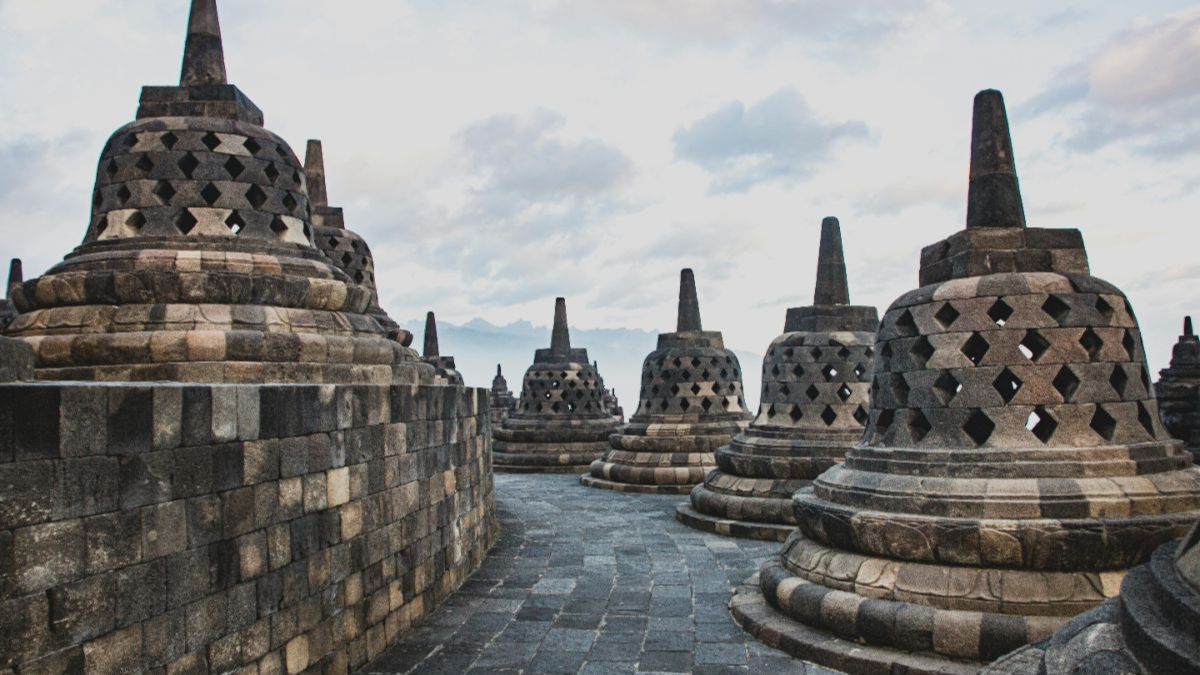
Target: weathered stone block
pixel 141 592
pixel 83 610
pixel 164 529
pixel 113 540
pixel 48 555
pixel 29 492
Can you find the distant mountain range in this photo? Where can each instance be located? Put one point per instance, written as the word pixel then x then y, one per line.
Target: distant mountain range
pixel 477 346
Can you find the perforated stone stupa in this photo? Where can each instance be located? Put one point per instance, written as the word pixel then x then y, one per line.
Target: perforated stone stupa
pixel 691 404
pixel 815 401
pixel 610 397
pixel 501 398
pixel 1013 467
pixel 199 263
pixel 1178 390
pixel 560 423
pixel 345 249
pixel 444 365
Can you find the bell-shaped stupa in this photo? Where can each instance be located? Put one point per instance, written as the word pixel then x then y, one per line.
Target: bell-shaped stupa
pixel 815 401
pixel 560 423
pixel 199 264
pixel 345 249
pixel 1178 390
pixel 1013 467
pixel 691 404
pixel 611 404
pixel 500 398
pixel 431 354
pixel 1149 629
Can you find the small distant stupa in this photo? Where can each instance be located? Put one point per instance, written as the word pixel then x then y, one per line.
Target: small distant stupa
pixel 431 354
pixel 1178 390
pixel 691 404
pixel 500 398
pixel 560 424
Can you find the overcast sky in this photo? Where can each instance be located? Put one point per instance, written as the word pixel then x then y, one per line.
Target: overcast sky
pixel 497 154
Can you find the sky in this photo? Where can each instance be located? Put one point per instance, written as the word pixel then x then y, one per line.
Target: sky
pixel 496 155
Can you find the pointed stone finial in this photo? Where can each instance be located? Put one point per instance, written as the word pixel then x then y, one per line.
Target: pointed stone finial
pixel 994 195
pixel 560 337
pixel 16 275
pixel 203 55
pixel 497 370
pixel 1187 322
pixel 431 338
pixel 832 288
pixel 689 304
pixel 314 173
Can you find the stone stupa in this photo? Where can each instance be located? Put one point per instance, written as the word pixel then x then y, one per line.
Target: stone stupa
pixel 199 264
pixel 431 354
pixel 560 423
pixel 346 249
pixel 1149 629
pixel 1178 390
pixel 500 398
pixel 815 401
pixel 610 398
pixel 16 276
pixel 691 404
pixel 1013 468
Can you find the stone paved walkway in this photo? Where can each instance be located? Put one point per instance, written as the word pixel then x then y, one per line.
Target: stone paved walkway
pixel 591 581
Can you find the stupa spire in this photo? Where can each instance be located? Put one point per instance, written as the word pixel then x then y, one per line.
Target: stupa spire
pixel 560 337
pixel 832 288
pixel 497 370
pixel 203 55
pixel 994 195
pixel 689 304
pixel 16 275
pixel 314 173
pixel 1187 321
pixel 431 338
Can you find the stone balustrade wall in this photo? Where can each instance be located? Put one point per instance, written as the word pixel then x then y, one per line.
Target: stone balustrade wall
pixel 179 528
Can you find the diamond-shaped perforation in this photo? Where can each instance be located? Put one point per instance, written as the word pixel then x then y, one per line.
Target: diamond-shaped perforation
pixel 812 392
pixel 816 353
pixel 1145 419
pixel 1056 309
pixel 1091 343
pixel 271 172
pixel 979 427
pixel 1033 345
pixel 187 164
pixel 290 203
pixel 257 198
pixel 136 221
pixel 185 221
pixel 1041 424
pixel 164 192
pixel 918 426
pixel 211 141
pixel 210 194
pixel 145 164
pixel 844 393
pixel 278 226
pixel 795 413
pixel 706 404
pixel 1130 344
pixel 900 389
pixel 1103 423
pixel 798 371
pixel 112 168
pixel 921 350
pixel 884 421
pixel 169 140
pixel 1118 379
pixel 975 348
pixel 124 195
pixel 1105 309
pixel 859 370
pixel 683 403
pixel 828 415
pixel 695 389
pixel 1000 313
pixel 1007 384
pixel 843 353
pixel 946 315
pixel 1066 383
pixel 829 372
pixel 860 415
pixel 906 326
pixel 946 387
pixel 251 146
pixel 234 167
pixel 235 223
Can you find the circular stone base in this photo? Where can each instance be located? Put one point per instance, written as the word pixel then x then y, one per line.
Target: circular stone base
pixel 591 481
pixel 752 612
pixel 685 514
pixel 547 468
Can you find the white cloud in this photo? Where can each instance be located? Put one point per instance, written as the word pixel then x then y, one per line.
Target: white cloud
pixel 779 138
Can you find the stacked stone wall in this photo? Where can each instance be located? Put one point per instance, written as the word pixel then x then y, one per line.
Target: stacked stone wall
pixel 183 528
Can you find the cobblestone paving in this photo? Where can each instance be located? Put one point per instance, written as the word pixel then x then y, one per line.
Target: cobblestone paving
pixel 591 581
